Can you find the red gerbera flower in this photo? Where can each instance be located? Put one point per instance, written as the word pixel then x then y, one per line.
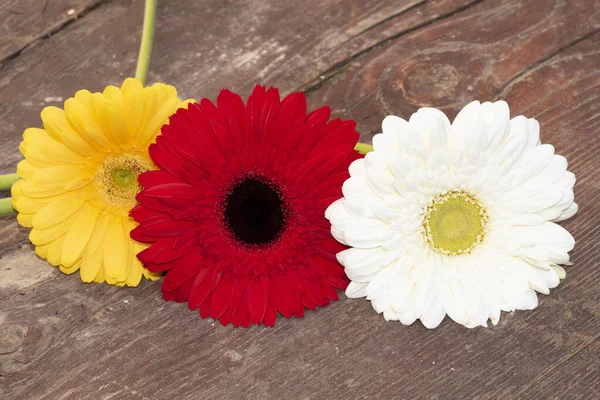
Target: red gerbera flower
pixel 236 211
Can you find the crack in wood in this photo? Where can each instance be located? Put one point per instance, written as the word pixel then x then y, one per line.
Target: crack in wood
pixel 53 31
pixel 334 70
pixel 540 63
pixel 383 21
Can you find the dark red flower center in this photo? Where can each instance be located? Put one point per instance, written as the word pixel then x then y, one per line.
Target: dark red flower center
pixel 255 211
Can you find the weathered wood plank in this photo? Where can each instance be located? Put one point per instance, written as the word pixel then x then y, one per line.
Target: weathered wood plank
pixel 63 339
pixel 26 21
pixel 577 377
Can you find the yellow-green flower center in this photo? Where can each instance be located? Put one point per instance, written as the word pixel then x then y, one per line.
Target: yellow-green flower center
pixel 116 179
pixel 454 223
pixel 124 178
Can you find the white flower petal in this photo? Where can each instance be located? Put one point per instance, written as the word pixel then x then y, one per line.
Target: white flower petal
pixel 338 235
pixel 362 262
pixel 555 172
pixel 497 118
pixel 381 182
pixel 527 199
pixel 533 162
pixel 526 300
pixel 356 290
pixel 545 233
pixel 399 166
pixel 387 144
pixel 377 287
pixel 550 278
pixel 566 181
pixel 509 153
pixel 380 304
pixel 357 168
pixel 468 131
pixel 568 213
pixel 409 138
pixel 432 125
pixel 367 233
pixel 533 133
pixel 390 315
pixel 433 314
pixel 339 217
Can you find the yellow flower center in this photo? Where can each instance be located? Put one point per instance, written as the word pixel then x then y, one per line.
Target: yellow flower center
pixel 116 179
pixel 454 223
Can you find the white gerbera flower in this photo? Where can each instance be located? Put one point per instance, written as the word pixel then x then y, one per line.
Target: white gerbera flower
pixel 455 219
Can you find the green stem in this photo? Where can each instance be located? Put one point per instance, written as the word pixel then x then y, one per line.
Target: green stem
pixel 146 44
pixel 363 148
pixel 6 207
pixel 6 181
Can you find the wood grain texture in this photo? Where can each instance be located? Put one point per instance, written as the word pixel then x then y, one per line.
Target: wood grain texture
pixel 61 339
pixel 23 22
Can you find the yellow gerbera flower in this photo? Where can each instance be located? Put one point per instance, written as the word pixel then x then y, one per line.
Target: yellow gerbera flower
pixel 79 179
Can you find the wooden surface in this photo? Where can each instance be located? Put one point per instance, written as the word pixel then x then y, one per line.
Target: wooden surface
pixel 61 339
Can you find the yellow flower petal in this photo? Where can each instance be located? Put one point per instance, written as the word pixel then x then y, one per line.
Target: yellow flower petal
pixel 160 101
pixel 153 276
pixel 79 235
pixel 61 176
pixel 126 269
pixel 133 102
pixel 28 205
pixel 45 236
pixel 114 94
pixel 42 149
pixel 100 277
pixel 25 219
pixel 135 273
pixel 113 281
pixel 114 123
pixel 57 211
pixel 17 188
pixel 16 192
pixel 55 251
pixel 99 231
pixel 57 126
pixel 26 170
pixel 69 270
pixel 136 268
pixel 115 250
pixel 42 251
pixel 83 114
pixel 32 190
pixel 91 266
pixel 31 151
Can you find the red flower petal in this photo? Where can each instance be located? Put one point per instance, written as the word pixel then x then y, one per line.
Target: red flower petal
pixel 329 291
pixel 200 289
pixel 237 292
pixel 205 306
pixel 225 318
pixel 221 298
pixel 241 314
pixel 190 265
pixel 270 315
pixel 258 294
